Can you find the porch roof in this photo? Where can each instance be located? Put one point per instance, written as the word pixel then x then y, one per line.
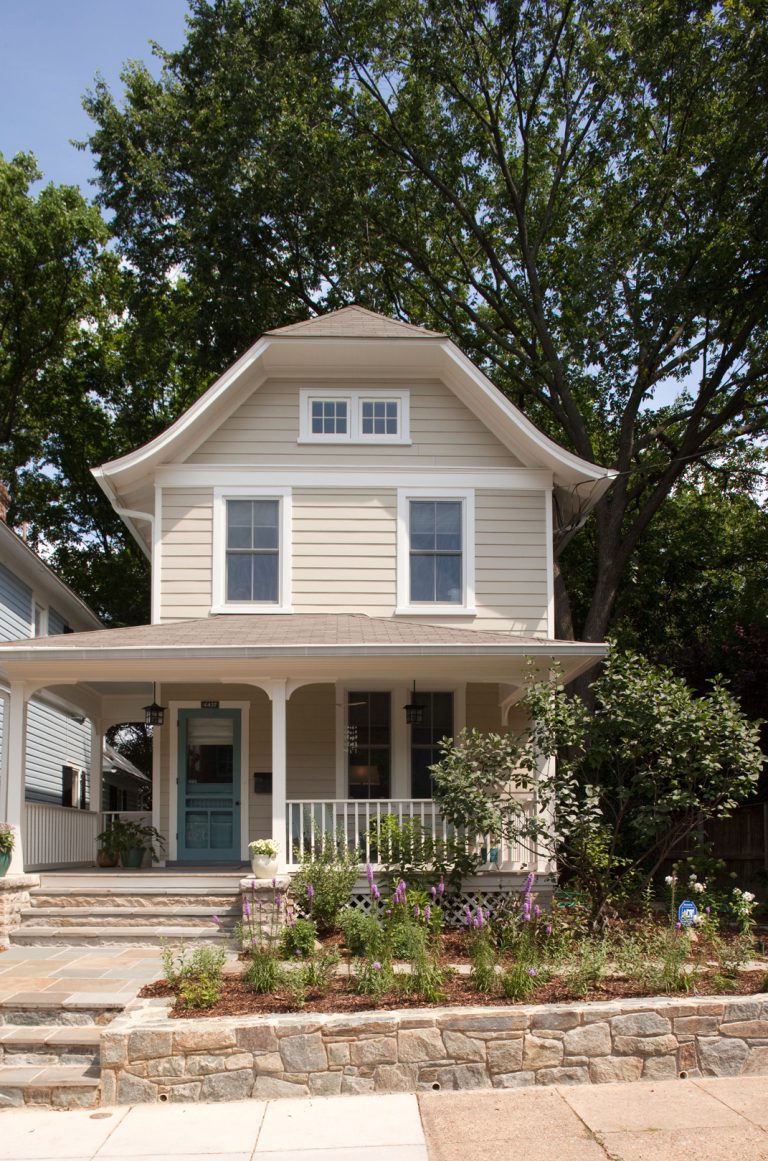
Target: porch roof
pixel 322 646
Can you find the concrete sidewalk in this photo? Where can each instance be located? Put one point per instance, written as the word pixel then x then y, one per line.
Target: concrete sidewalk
pixel 705 1120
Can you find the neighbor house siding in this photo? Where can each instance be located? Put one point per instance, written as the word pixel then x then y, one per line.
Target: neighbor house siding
pixel 56 623
pixel 15 607
pixel 187 549
pixel 444 432
pixel 53 741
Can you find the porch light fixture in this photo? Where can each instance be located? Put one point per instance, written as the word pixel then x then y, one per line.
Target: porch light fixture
pixel 154 715
pixel 414 713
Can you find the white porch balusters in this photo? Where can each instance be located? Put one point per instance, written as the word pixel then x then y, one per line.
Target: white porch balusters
pixel 279 697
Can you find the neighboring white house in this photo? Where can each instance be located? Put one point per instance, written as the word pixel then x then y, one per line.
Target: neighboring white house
pixel 351 519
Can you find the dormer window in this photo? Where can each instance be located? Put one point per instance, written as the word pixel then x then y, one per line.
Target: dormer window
pixel 354 416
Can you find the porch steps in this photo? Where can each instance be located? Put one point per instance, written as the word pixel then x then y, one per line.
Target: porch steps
pixel 49 1053
pixel 132 910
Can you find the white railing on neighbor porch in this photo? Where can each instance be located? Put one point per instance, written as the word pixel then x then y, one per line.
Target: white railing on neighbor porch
pixel 62 836
pixel 360 822
pixel 58 836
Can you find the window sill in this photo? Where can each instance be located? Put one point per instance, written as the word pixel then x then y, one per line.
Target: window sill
pixel 251 607
pixel 435 611
pixel 362 441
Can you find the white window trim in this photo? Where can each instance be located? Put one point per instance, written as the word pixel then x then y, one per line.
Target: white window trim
pixel 354 398
pixel 404 606
pixel 219 603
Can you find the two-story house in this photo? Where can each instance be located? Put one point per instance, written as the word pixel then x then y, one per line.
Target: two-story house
pixel 351 543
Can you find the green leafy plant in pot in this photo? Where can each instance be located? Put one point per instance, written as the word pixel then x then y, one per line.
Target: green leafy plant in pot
pixel 130 840
pixel 6 846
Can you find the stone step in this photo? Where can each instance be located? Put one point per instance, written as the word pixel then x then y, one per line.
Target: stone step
pixel 127 917
pixel 84 882
pixel 158 900
pixel 49 1011
pixel 49 1044
pixel 72 1086
pixel 104 936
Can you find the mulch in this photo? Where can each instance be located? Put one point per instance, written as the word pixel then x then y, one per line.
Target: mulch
pixel 238 1000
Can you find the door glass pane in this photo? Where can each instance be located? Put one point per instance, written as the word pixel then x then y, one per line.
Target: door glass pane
pixel 209 751
pixel 221 830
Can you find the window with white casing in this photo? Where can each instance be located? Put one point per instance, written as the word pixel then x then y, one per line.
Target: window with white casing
pixel 354 416
pixel 435 551
pixel 251 550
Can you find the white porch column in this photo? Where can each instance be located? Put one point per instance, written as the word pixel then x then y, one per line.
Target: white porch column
pixel 13 797
pixel 279 697
pixel 97 764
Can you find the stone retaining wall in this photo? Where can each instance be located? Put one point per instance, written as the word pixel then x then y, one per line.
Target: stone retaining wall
pixel 147 1057
pixel 14 897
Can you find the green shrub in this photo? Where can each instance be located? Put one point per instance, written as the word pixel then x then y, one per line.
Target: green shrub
pixel 372 977
pixel 181 964
pixel 298 939
pixel 483 956
pixel 323 883
pixel 362 933
pixel 519 982
pixel 200 993
pixel 263 974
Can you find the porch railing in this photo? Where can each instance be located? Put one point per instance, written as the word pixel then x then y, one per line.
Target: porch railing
pixel 364 825
pixel 58 836
pixel 143 817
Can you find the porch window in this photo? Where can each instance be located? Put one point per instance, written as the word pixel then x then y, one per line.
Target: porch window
pixel 437 723
pixel 253 550
pixel 369 732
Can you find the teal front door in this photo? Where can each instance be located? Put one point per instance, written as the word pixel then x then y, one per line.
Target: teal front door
pixel 209 785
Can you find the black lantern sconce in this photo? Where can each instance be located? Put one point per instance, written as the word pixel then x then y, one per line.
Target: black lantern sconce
pixel 414 713
pixel 154 715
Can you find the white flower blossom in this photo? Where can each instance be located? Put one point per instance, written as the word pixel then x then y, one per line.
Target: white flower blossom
pixel 748 897
pixel 670 879
pixel 700 887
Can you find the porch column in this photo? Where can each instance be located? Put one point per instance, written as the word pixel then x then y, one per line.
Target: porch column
pixel 13 798
pixel 279 698
pixel 96 765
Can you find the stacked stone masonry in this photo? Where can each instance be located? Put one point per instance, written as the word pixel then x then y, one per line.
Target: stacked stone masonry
pixel 146 1057
pixel 14 898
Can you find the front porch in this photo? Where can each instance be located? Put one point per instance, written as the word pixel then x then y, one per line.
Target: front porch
pixel 282 727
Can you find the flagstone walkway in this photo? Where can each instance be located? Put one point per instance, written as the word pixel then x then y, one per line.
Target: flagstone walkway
pixel 72 976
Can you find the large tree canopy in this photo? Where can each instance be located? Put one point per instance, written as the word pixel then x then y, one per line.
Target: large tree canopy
pixel 576 192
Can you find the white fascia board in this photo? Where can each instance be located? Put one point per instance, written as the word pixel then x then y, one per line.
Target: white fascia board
pixel 509 424
pixel 127 519
pixel 314 475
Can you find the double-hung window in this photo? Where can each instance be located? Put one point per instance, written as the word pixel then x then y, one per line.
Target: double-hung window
pixel 251 550
pixel 435 551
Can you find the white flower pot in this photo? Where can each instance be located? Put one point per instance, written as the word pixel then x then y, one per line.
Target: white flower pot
pixel 263 866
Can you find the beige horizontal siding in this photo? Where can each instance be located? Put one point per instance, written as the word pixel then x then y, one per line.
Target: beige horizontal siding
pixel 265 429
pixel 344 550
pixel 483 712
pixel 186 553
pixel 511 560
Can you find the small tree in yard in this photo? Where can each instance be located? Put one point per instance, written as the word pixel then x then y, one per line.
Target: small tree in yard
pixel 632 779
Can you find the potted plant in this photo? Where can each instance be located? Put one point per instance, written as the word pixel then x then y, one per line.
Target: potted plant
pixel 108 852
pixel 130 840
pixel 263 858
pixel 6 846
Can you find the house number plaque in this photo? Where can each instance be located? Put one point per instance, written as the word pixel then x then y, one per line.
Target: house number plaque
pixel 209 705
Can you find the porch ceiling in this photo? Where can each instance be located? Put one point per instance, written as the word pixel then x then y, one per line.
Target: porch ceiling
pixel 306 647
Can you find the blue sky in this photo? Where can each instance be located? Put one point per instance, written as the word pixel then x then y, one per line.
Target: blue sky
pixel 50 52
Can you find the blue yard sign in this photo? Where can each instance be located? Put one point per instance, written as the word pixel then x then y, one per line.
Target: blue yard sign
pixel 687 912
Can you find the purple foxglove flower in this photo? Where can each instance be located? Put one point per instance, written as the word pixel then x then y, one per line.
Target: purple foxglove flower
pixel 376 966
pixel 678 926
pixel 246 909
pixel 536 911
pixel 479 920
pixel 274 882
pixel 528 885
pixel 375 892
pixel 388 911
pixel 708 910
pixel 217 921
pixel 254 884
pixel 532 972
pixel 278 901
pixel 416 911
pixel 369 874
pixel 548 929
pixel 402 886
pixel 427 913
pixel 310 891
pixel 433 891
pixel 441 887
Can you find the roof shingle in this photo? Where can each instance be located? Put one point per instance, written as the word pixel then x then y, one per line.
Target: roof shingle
pixel 354 322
